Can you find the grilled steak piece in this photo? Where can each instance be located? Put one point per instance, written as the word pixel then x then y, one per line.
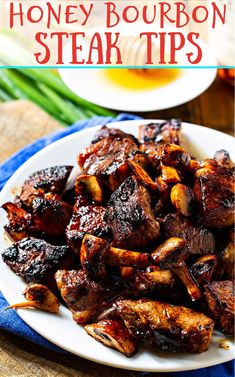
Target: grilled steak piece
pixel 130 216
pixel 170 328
pixel 105 132
pixel 114 334
pixel 214 193
pixel 51 216
pixel 168 155
pixel 221 304
pixel 86 219
pixel 48 218
pixel 51 179
pixel 36 260
pixel 161 132
pixel 83 296
pixel 199 240
pixel 107 159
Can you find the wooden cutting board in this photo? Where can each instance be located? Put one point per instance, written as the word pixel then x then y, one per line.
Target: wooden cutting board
pixel 22 122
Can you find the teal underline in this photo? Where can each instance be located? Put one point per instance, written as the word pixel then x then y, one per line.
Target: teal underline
pixel 116 66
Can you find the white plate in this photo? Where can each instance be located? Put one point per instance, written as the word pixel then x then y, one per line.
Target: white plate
pixel 61 329
pixel 95 87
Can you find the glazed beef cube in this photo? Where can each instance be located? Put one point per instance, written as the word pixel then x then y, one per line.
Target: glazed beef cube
pixel 170 328
pixel 161 132
pixel 168 154
pixel 214 194
pixel 48 218
pixel 36 260
pixel 199 240
pixel 83 296
pixel 220 300
pixel 107 159
pixel 130 216
pixel 86 219
pixel 105 132
pixel 51 179
pixel 51 216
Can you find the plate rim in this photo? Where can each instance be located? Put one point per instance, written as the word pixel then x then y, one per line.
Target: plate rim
pixel 23 315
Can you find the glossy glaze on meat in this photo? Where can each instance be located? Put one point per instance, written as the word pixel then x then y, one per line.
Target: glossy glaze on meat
pixel 221 304
pixel 86 219
pixel 162 132
pixel 107 159
pixel 46 180
pixel 214 192
pixel 36 260
pixel 169 328
pixel 130 216
pixel 145 235
pixel 199 240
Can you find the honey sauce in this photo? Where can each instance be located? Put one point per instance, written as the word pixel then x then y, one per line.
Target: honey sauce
pixel 142 79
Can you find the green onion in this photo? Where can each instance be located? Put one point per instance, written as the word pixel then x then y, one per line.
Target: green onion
pixel 63 108
pixel 4 96
pixel 8 85
pixel 57 84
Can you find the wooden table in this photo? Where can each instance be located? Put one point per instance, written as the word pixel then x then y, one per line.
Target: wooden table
pixel 19 358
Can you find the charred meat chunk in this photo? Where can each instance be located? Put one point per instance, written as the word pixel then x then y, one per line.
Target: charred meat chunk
pixel 167 154
pixel 36 260
pixel 199 240
pixel 83 296
pixel 170 328
pixel 48 218
pixel 221 304
pixel 51 216
pixel 214 193
pixel 130 216
pixel 46 180
pixel 161 132
pixel 107 159
pixel 86 219
pixel 114 334
pixel 105 132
